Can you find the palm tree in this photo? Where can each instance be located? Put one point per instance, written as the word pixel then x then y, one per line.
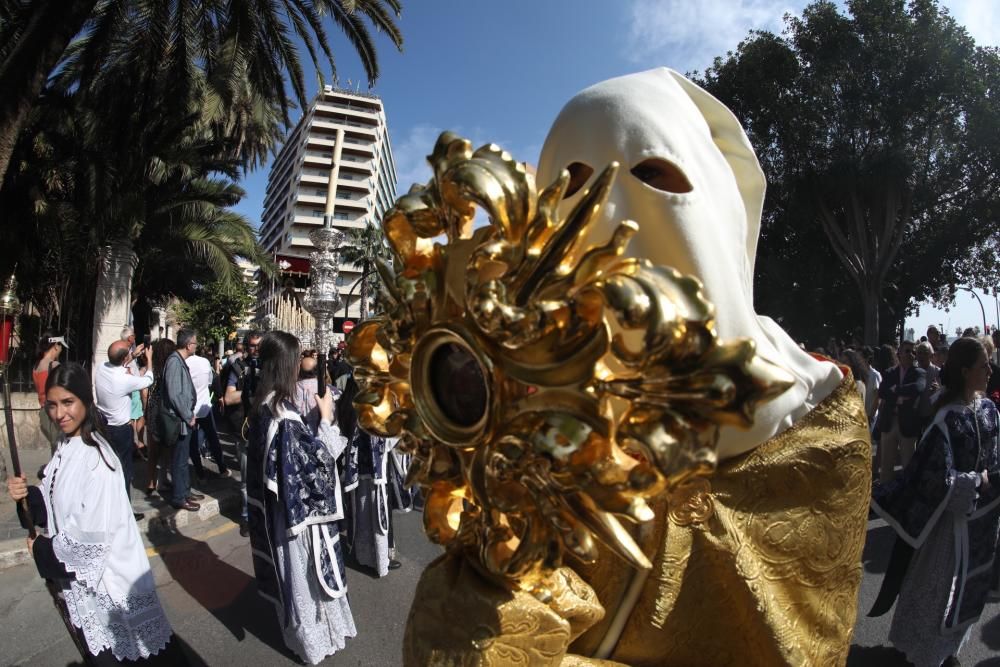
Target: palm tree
pixel 77 186
pixel 234 43
pixel 363 247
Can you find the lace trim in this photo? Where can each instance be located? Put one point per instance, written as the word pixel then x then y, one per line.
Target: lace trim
pixel 133 628
pixel 85 560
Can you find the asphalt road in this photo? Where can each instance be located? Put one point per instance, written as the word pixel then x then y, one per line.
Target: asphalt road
pixel 205 583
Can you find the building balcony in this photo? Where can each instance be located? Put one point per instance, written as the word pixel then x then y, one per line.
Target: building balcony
pixel 316 160
pixel 330 124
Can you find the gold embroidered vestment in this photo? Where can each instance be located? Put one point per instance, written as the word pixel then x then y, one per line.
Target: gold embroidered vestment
pixel 763 567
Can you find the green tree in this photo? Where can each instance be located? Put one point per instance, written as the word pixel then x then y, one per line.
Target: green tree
pixel 217 309
pixel 237 43
pixel 878 132
pixel 363 247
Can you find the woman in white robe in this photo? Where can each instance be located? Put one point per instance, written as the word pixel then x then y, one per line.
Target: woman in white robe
pixel 295 505
pixel 93 554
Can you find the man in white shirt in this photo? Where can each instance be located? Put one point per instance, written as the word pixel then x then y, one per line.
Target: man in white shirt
pixel 201 377
pixel 113 387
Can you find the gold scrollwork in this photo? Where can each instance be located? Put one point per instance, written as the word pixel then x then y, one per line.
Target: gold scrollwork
pixel 506 361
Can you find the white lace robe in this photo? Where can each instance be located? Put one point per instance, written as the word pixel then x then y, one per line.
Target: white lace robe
pixel 113 595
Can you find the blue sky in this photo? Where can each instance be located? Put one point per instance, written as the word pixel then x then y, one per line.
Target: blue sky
pixel 500 71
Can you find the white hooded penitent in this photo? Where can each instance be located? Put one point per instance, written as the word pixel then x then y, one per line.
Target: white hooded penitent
pixel 690 178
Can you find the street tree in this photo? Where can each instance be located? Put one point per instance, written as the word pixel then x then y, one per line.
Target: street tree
pixel 363 247
pixel 878 130
pixel 217 309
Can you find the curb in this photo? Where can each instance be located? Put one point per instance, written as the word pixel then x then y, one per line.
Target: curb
pixel 157 520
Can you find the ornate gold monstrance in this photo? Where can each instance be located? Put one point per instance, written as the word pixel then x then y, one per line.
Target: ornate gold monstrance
pixel 545 389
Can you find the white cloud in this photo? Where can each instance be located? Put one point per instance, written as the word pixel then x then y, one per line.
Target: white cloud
pixel 687 35
pixel 410 155
pixel 980 17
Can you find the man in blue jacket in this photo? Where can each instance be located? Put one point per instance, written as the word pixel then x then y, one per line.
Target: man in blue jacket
pixel 898 417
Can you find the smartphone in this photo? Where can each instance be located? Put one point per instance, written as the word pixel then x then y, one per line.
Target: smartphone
pixel 146 340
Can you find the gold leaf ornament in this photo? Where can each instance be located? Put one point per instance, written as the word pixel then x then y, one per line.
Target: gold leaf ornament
pixel 546 389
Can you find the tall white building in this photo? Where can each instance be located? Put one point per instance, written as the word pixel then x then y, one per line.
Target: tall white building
pixel 338 162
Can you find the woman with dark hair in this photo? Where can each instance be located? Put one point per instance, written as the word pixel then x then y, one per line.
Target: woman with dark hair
pixel 93 551
pixel 306 388
pixel 373 486
pixel 945 510
pixel 295 504
pixel 852 359
pixel 47 352
pixel 162 348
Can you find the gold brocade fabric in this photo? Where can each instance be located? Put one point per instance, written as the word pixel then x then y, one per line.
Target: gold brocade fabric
pixel 758 565
pixel 460 618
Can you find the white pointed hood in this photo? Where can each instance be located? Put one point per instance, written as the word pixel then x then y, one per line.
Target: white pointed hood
pixel 702 216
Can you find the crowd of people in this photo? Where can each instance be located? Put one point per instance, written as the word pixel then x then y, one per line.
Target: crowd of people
pixel 932 409
pixel 315 487
pixel 744 573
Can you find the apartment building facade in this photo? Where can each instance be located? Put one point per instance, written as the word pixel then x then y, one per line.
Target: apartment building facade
pixel 338 162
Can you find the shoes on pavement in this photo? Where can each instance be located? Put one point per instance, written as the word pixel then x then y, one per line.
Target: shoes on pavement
pixel 395 564
pixel 138 516
pixel 244 529
pixel 194 497
pixel 150 490
pixel 189 506
pixel 225 473
pixel 951 661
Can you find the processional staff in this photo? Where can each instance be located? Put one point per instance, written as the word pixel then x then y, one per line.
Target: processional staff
pixel 322 298
pixel 10 308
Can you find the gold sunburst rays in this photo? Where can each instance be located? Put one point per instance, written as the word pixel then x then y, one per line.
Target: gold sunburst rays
pixel 506 360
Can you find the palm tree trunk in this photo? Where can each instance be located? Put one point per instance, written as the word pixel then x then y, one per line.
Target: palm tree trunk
pixel 113 296
pixel 53 23
pixel 363 309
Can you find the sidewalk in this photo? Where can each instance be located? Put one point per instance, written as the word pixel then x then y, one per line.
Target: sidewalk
pixel 222 496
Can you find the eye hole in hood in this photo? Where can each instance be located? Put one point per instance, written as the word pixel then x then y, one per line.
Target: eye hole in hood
pixel 579 173
pixel 662 175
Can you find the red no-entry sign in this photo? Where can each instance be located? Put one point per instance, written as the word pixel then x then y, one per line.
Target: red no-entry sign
pixel 348 326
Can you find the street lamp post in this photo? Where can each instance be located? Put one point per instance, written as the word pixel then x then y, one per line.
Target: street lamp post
pixel 981 307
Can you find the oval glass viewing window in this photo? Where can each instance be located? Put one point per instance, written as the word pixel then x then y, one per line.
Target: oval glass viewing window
pixel 458 384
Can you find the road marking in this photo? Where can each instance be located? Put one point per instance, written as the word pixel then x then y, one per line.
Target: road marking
pixel 167 548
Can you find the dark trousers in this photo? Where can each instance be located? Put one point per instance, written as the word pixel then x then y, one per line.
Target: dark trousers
pixel 122 440
pixel 195 453
pixel 179 468
pixel 206 425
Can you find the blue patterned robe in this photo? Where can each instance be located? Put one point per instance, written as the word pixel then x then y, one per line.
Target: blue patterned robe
pixel 295 504
pixel 940 509
pixel 367 464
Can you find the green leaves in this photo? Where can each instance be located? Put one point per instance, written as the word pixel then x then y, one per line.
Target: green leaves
pixel 878 135
pixel 217 309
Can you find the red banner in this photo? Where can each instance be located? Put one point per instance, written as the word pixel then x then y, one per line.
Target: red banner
pixel 6 334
